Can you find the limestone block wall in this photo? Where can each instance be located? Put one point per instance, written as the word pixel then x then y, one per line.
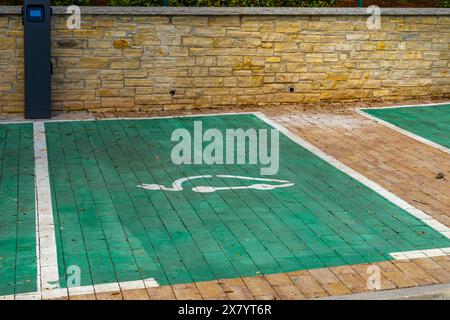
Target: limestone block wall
pixel 145 59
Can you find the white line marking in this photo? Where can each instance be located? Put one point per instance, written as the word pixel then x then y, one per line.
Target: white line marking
pixel 408 105
pixel 126 285
pixel 132 285
pixel 74 291
pixel 89 289
pixel 15 121
pixel 416 254
pixel 128 118
pixel 29 296
pixel 444 230
pixel 23 296
pixel 106 287
pixel 36 219
pixel 55 294
pixel 46 242
pixel 150 283
pixel 403 131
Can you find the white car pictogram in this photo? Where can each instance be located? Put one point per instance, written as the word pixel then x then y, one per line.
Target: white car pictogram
pixel 177 184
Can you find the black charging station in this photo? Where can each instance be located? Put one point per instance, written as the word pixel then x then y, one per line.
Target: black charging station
pixel 36 18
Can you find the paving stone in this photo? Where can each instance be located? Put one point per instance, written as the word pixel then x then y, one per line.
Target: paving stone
pixel 210 289
pixel 186 292
pixel 109 296
pixel 259 287
pixel 386 284
pixel 350 279
pixel 324 276
pixel 288 292
pixel 417 274
pixel 236 289
pixel 135 294
pixel 308 286
pixel 161 293
pixel 336 289
pixel 83 297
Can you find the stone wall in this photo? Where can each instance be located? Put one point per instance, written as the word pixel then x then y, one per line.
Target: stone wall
pixel 144 61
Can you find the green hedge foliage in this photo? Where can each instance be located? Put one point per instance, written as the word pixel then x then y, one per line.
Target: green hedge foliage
pixel 227 3
pixel 69 2
pixel 202 3
pixel 194 3
pixel 205 3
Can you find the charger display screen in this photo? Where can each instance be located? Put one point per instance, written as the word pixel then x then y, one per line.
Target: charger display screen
pixel 35 13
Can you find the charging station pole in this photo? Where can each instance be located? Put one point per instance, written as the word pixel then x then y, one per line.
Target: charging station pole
pixel 36 18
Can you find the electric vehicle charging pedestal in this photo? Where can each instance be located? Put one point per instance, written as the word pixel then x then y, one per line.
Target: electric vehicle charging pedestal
pixel 36 19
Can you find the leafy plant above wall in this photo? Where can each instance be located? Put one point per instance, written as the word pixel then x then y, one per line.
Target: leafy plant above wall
pixel 191 3
pixel 227 3
pixel 69 2
pixel 247 3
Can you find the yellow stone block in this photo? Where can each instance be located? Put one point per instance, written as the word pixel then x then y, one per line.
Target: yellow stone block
pixel 94 63
pixel 88 33
pixel 224 21
pixel 117 102
pixel 121 44
pixel 255 81
pixel 138 82
pixel 287 26
pixel 125 63
pixel 273 59
pixel 209 31
pixel 7 43
pixel 285 47
pixel 197 41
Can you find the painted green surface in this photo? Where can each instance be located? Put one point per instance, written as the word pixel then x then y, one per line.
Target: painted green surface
pixel 115 231
pixel 18 271
pixel 429 122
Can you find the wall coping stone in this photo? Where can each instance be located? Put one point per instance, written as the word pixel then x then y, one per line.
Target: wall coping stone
pixel 245 11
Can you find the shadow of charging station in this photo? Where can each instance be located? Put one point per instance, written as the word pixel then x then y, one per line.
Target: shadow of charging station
pixel 36 19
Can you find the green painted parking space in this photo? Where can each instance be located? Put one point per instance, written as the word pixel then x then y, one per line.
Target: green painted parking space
pixel 429 122
pixel 18 270
pixel 114 230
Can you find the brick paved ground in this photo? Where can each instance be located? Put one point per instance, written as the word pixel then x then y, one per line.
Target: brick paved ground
pixel 398 163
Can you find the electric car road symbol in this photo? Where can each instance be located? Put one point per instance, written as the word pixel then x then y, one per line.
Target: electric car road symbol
pixel 177 184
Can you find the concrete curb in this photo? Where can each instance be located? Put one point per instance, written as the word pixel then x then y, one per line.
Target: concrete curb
pixel 246 11
pixel 431 292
